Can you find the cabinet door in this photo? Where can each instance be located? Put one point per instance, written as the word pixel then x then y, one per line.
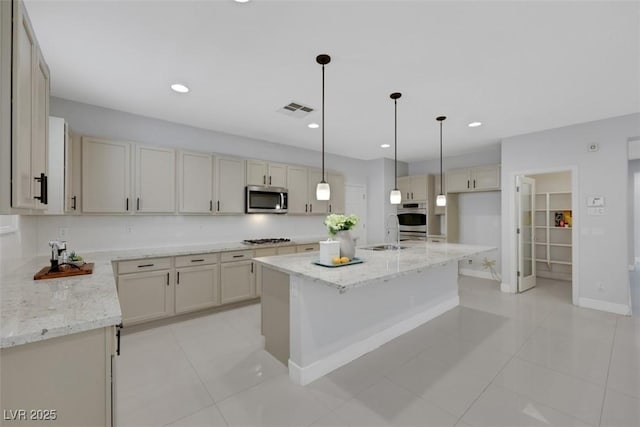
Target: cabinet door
pixel 40 127
pixel 257 172
pixel 237 281
pixel 418 185
pixel 24 65
pixel 336 203
pixel 258 266
pixel 145 296
pixel 297 178
pixel 486 178
pixel 106 183
pixel 155 179
pixel 195 180
pixel 230 174
pixel 277 175
pixel 196 288
pixel 316 206
pixel 404 185
pixel 458 181
pixel 72 169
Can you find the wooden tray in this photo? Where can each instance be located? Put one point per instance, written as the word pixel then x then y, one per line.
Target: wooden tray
pixel 65 271
pixel 355 260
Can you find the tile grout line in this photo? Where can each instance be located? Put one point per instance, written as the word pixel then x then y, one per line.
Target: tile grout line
pixel 606 382
pixel 200 380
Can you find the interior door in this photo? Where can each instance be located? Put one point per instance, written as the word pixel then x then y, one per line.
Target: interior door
pixel 525 211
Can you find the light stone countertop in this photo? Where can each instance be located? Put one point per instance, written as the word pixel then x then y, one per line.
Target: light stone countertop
pixel 377 265
pixel 35 310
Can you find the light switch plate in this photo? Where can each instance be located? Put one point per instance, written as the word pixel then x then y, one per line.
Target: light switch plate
pixel 595 201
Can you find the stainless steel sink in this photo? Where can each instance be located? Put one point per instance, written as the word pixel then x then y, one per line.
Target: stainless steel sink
pixel 387 247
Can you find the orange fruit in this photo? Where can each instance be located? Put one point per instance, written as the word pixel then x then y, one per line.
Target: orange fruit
pixel 344 260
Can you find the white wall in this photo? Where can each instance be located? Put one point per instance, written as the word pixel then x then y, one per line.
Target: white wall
pixel 634 211
pixel 20 244
pixel 480 158
pixel 381 182
pixel 600 254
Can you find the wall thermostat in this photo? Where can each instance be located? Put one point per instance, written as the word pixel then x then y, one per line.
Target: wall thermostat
pixel 593 147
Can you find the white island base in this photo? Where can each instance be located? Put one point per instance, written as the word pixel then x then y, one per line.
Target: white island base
pixel 315 328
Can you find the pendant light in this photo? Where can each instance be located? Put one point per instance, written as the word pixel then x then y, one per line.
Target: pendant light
pixel 395 197
pixel 441 200
pixel 323 191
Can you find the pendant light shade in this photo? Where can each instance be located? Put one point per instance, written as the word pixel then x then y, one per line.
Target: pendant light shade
pixel 323 191
pixel 441 200
pixel 395 197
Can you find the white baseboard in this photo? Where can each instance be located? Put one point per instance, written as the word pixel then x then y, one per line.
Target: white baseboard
pixel 476 273
pixel 604 306
pixel 505 287
pixel 303 375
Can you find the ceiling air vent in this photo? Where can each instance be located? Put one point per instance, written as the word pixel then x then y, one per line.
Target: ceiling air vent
pixel 295 109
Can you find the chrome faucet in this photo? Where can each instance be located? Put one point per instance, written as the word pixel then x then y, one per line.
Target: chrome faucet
pixel 57 249
pixel 395 223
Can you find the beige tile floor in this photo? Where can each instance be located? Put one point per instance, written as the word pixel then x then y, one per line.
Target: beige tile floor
pixel 496 360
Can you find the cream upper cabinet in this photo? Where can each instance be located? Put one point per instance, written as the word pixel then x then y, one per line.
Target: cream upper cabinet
pixel 482 178
pixel 72 173
pixel 414 187
pixel 155 170
pixel 260 172
pixel 297 178
pixel 230 179
pixel 337 200
pixel 195 182
pixel 58 145
pixel 30 116
pixel 316 206
pixel 106 181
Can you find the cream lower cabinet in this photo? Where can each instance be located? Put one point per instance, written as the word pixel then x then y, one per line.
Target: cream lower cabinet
pixel 237 278
pixel 196 288
pixel 146 296
pixel 64 381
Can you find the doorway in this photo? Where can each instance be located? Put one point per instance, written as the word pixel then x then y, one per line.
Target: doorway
pixel 550 235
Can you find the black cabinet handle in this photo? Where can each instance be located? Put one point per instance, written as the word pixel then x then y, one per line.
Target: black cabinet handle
pixel 468 186
pixel 474 183
pixel 310 207
pixel 118 329
pixel 269 180
pixel 167 279
pixel 329 208
pixel 218 205
pixel 306 207
pixel 73 199
pixel 138 203
pixel 264 179
pixel 197 260
pixel 42 179
pixel 407 196
pixel 238 256
pixel 308 249
pixel 145 265
pixel 412 195
pixel 252 267
pixel 178 278
pixel 211 205
pixel 127 208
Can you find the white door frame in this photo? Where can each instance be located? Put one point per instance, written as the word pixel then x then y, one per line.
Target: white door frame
pixel 575 218
pixel 530 281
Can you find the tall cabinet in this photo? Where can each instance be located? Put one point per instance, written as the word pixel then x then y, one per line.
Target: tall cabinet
pixel 29 113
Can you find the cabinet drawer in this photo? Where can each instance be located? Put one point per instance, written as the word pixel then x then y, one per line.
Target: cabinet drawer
pixel 198 259
pixel 236 256
pixel 308 248
pixel 284 250
pixel 266 252
pixel 138 265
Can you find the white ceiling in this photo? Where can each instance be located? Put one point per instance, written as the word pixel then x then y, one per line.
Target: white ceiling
pixel 517 67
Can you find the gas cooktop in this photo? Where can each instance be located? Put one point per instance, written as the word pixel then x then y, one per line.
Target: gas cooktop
pixel 266 241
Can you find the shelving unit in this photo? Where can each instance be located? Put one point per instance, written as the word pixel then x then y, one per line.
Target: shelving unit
pixel 553 244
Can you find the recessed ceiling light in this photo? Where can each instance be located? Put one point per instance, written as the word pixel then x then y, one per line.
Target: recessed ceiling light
pixel 313 125
pixel 241 1
pixel 475 124
pixel 180 88
pixel 385 146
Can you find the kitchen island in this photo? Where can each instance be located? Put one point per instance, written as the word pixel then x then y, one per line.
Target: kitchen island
pixel 316 319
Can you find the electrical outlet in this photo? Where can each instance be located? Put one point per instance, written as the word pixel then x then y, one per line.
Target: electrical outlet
pixel 128 228
pixel 601 287
pixel 63 233
pixel 470 261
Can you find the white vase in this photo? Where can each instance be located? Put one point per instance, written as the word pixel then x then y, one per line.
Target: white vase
pixel 347 244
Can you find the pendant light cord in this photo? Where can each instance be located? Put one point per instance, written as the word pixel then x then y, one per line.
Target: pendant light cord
pixel 323 123
pixel 395 144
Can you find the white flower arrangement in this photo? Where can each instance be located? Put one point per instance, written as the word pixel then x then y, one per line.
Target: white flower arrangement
pixel 337 223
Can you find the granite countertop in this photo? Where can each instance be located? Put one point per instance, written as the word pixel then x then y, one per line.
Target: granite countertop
pixel 33 310
pixel 378 265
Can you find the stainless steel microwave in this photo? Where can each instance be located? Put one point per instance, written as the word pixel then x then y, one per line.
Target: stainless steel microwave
pixel 261 199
